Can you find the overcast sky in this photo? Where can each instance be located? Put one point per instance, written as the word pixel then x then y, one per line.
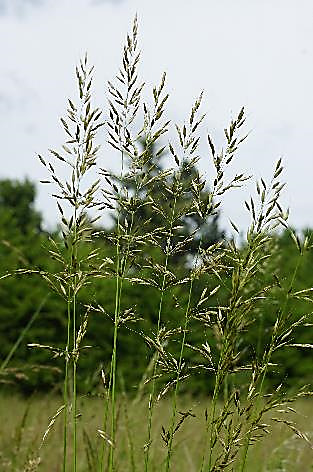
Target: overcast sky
pixel 256 53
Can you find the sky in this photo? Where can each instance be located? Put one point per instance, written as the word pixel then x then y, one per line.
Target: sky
pixel 252 53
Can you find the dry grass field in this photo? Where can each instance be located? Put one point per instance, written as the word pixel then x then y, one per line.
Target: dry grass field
pixel 24 421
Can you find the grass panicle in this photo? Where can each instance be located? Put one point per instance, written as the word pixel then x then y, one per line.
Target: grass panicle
pixel 210 294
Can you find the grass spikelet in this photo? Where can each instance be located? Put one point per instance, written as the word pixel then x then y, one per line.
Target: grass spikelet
pixel 165 274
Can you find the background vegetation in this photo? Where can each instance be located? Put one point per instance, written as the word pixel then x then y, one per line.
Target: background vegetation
pixel 24 243
pixel 160 308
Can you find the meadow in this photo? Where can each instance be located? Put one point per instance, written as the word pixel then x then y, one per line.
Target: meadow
pixel 26 421
pixel 165 345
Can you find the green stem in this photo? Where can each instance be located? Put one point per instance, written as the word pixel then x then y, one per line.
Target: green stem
pixel 65 389
pixel 151 397
pixel 268 358
pixel 212 418
pixel 118 297
pixel 105 416
pixel 117 304
pixel 174 407
pixel 74 415
pixel 113 367
pixel 112 383
pixel 75 353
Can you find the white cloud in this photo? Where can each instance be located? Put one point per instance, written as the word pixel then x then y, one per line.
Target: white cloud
pixel 18 7
pixel 22 7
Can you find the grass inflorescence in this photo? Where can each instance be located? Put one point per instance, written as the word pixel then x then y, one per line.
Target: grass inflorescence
pixel 159 216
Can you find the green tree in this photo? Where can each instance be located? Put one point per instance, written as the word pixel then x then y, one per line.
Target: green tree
pixel 17 207
pixel 192 226
pixel 21 247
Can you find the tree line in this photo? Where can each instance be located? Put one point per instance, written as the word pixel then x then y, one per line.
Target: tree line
pixel 25 244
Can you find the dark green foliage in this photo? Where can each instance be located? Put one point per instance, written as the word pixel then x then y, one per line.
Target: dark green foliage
pixel 193 227
pixel 17 207
pixel 23 242
pixel 22 246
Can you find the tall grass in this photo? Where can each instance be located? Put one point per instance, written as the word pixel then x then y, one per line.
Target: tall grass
pixel 25 422
pixel 74 197
pixel 234 273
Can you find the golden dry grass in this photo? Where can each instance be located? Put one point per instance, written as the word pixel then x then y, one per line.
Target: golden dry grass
pixel 24 421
